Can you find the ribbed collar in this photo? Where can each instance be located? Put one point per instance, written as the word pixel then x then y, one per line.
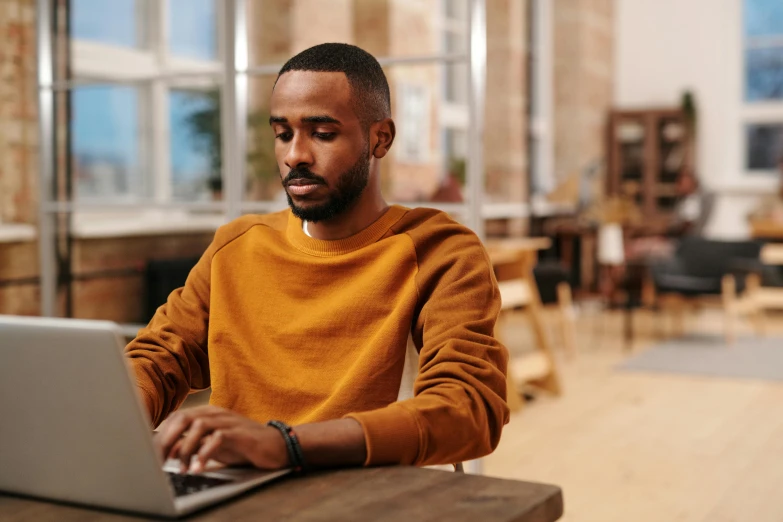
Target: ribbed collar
pixel 323 248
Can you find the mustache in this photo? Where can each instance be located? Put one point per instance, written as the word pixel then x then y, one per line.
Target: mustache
pixel 302 173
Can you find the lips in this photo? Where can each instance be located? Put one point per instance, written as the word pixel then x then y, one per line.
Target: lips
pixel 302 187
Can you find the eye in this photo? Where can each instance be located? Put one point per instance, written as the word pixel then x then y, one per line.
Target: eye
pixel 326 136
pixel 283 136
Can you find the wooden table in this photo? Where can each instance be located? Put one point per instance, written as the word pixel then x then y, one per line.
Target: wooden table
pixel 765 229
pixel 395 493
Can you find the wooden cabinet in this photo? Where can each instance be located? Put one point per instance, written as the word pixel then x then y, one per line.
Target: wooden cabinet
pixel 647 152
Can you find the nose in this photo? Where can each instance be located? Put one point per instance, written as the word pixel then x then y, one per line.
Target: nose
pixel 298 153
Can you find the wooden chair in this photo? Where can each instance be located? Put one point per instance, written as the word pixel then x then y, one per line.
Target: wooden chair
pixel 521 292
pixel 765 292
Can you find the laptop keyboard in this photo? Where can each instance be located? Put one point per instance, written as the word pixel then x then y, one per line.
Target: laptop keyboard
pixel 184 484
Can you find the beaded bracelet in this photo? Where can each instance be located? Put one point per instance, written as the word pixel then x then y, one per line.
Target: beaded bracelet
pixel 295 453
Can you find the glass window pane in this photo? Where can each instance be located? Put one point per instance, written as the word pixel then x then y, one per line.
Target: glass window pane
pixel 193 29
pixel 456 87
pixel 263 176
pixel 116 22
pixel 764 74
pixel 456 81
pixel 416 170
pixel 765 146
pixel 763 18
pixel 194 122
pixel 105 133
pixel 456 9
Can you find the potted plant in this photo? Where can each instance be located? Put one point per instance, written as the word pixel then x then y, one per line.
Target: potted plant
pixel 205 129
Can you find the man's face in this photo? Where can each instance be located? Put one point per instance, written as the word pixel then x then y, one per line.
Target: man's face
pixel 321 148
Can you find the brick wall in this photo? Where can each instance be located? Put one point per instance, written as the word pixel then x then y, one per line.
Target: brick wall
pixel 18 152
pixel 18 113
pixel 583 79
pixel 505 140
pixel 121 297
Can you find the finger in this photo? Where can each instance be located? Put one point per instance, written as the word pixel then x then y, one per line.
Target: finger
pixel 171 430
pixel 199 429
pixel 208 450
pixel 173 454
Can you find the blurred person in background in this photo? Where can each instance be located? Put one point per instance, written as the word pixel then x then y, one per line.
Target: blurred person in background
pixel 366 329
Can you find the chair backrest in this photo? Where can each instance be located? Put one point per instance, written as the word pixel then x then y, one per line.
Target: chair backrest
pixel 163 276
pixel 711 258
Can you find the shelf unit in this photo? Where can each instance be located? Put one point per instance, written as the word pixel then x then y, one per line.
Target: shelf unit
pixel 647 152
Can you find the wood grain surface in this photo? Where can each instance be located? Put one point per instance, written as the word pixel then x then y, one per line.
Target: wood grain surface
pixel 381 494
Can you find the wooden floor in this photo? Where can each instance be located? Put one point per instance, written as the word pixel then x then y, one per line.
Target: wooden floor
pixel 649 447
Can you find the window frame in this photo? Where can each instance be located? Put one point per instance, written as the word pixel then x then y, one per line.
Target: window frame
pixel 155 72
pixel 757 111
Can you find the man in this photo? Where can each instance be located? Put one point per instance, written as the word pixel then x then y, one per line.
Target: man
pixel 367 327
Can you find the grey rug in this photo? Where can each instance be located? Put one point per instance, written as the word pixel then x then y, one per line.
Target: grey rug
pixel 758 358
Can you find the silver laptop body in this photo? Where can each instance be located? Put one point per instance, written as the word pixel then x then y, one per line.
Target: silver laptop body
pixel 73 429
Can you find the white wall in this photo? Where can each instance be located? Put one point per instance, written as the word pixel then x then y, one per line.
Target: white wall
pixel 664 47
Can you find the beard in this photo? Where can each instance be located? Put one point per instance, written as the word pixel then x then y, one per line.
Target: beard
pixel 341 198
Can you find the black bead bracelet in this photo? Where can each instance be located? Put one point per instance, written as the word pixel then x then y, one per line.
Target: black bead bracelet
pixel 295 454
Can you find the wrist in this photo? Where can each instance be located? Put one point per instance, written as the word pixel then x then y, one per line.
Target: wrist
pixel 293 448
pixel 270 450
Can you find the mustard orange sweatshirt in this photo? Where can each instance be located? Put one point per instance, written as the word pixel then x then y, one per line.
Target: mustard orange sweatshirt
pixel 285 326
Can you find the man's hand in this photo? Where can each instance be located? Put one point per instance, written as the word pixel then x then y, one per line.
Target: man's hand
pixel 209 432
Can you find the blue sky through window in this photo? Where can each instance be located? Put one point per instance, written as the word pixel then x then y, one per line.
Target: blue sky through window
pixel 112 22
pixel 190 160
pixel 763 18
pixel 193 29
pixel 763 28
pixel 105 140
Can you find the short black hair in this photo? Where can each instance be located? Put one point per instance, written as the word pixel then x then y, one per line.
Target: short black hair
pixel 369 86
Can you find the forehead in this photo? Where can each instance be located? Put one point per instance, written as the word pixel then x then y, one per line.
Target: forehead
pixel 307 93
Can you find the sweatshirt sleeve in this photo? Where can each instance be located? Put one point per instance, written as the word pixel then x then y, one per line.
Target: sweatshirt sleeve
pixel 169 357
pixel 459 405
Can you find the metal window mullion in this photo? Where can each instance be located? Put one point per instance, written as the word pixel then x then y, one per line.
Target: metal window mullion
pixel 764 42
pixel 542 98
pixel 100 206
pixel 477 48
pixel 160 143
pixel 46 231
pixel 234 106
pixel 159 138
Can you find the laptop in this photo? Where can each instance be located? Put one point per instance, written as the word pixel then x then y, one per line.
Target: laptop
pixel 73 429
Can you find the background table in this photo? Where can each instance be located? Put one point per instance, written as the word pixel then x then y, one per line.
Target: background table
pixel 395 493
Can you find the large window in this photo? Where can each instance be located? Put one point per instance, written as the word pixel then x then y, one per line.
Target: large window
pixel 144 119
pixel 159 110
pixel 763 84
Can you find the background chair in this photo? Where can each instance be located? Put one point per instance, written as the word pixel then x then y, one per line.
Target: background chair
pixel 162 277
pixel 703 269
pixel 768 295
pixel 554 287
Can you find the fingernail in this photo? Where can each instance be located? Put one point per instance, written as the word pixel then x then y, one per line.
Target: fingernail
pixel 196 467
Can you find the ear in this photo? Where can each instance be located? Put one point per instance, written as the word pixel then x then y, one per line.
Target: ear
pixel 382 133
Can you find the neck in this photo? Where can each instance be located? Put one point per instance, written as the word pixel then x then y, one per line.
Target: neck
pixel 368 208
